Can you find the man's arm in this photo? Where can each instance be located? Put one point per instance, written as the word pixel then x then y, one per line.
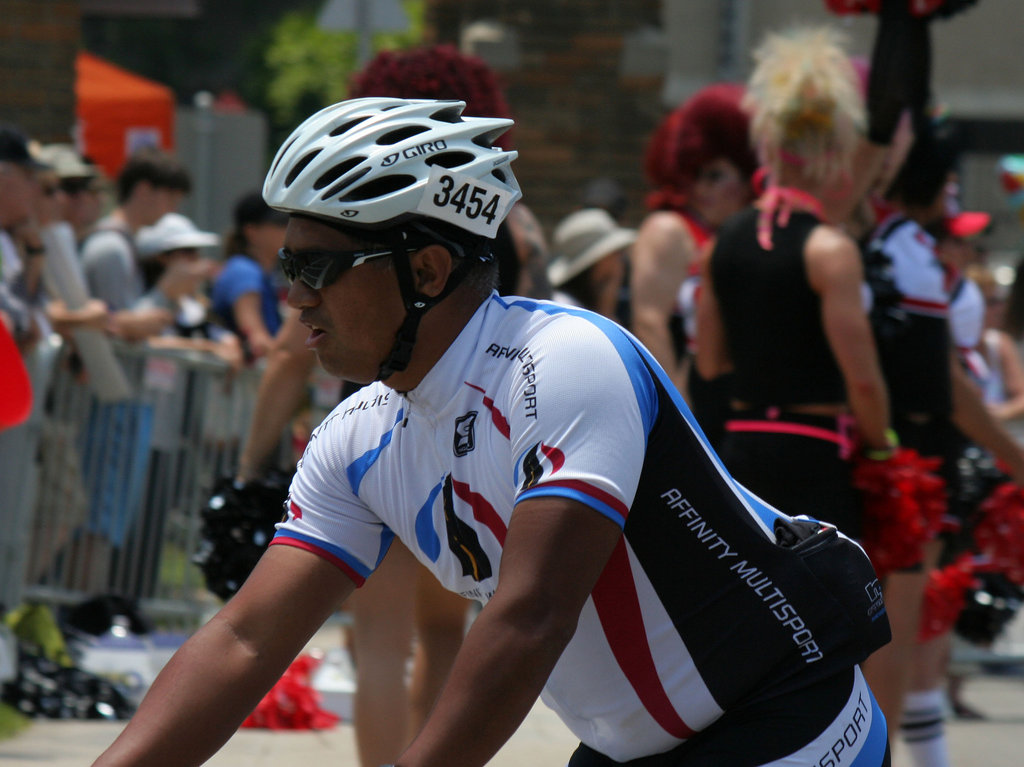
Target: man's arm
pixel 659 262
pixel 282 388
pixel 218 676
pixel 554 552
pixel 835 273
pixel 249 320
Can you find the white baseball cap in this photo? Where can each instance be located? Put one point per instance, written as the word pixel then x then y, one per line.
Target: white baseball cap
pixel 172 232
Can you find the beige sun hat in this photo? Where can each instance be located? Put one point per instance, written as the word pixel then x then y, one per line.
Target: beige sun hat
pixel 65 161
pixel 582 239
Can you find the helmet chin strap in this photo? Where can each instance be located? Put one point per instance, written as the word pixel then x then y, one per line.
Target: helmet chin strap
pixel 416 305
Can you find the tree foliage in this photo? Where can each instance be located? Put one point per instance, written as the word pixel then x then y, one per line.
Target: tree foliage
pixel 308 67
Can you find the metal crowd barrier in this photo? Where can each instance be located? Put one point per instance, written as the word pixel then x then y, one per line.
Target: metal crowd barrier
pixel 104 497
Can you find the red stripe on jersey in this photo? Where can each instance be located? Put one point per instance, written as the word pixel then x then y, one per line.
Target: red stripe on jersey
pixel 618 608
pixel 594 492
pixel 293 507
pixel 499 420
pixel 920 303
pixel 483 512
pixel 556 456
pixel 281 540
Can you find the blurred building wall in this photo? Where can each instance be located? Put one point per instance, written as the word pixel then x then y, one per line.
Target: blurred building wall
pixel 589 79
pixel 38 43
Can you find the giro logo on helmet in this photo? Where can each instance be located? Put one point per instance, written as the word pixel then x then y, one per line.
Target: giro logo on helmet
pixel 415 151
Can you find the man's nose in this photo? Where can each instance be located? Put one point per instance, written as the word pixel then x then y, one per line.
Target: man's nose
pixel 300 295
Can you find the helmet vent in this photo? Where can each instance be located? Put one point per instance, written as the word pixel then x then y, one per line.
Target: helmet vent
pixel 346 127
pixel 344 184
pixel 499 174
pixel 450 159
pixel 486 140
pixel 300 166
pixel 337 172
pixel 393 137
pixel 283 151
pixel 379 187
pixel 452 114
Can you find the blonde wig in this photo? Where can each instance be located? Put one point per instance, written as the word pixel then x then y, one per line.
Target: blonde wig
pixel 806 105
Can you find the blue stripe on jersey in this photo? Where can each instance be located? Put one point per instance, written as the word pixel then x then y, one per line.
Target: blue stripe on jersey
pixel 546 491
pixel 334 551
pixel 358 468
pixel 873 751
pixel 386 537
pixel 646 396
pixel 426 536
pixel 764 510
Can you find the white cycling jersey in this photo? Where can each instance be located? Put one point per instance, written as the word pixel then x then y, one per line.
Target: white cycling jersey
pixel 536 399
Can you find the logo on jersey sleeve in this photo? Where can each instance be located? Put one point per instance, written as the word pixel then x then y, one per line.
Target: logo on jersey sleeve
pixel 465 439
pixel 463 540
pixel 534 460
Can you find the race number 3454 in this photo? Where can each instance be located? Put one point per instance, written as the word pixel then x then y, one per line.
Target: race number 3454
pixel 465 201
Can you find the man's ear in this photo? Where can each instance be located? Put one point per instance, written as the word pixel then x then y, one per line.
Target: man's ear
pixel 431 267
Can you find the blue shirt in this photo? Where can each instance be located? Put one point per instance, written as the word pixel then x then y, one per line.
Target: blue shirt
pixel 239 276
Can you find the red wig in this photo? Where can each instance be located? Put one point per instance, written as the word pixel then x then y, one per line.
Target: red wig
pixel 711 124
pixel 436 72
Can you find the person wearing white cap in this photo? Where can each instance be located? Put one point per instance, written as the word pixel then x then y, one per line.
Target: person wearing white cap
pixel 589 264
pixel 171 247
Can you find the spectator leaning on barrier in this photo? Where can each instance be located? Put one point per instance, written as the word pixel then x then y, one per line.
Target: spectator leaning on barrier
pixel 79 186
pixel 174 242
pixel 606 548
pixel 20 249
pixel 151 183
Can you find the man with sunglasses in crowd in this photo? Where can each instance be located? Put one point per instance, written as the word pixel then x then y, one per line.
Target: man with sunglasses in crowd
pixel 534 458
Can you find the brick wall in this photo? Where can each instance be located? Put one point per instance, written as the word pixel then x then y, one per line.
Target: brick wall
pixel 576 116
pixel 38 43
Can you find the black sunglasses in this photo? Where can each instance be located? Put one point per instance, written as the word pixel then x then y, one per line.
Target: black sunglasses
pixel 319 268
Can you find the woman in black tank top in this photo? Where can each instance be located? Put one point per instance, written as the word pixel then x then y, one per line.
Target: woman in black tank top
pixel 783 307
pixel 782 304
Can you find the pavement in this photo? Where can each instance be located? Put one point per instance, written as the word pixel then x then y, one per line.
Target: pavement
pixel 542 740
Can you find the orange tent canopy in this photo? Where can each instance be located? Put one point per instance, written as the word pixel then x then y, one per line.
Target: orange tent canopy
pixel 119 112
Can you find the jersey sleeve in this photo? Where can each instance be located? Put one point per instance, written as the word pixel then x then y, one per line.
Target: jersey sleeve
pixel 581 408
pixel 323 509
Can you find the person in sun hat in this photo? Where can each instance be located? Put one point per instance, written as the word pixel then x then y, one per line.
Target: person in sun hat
pixel 589 260
pixel 80 186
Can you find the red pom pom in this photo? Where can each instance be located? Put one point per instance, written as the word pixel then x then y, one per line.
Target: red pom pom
pixel 904 501
pixel 999 535
pixel 945 597
pixel 847 7
pixel 292 703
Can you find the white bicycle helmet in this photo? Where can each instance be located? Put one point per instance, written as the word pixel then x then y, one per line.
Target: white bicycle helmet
pixel 374 162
